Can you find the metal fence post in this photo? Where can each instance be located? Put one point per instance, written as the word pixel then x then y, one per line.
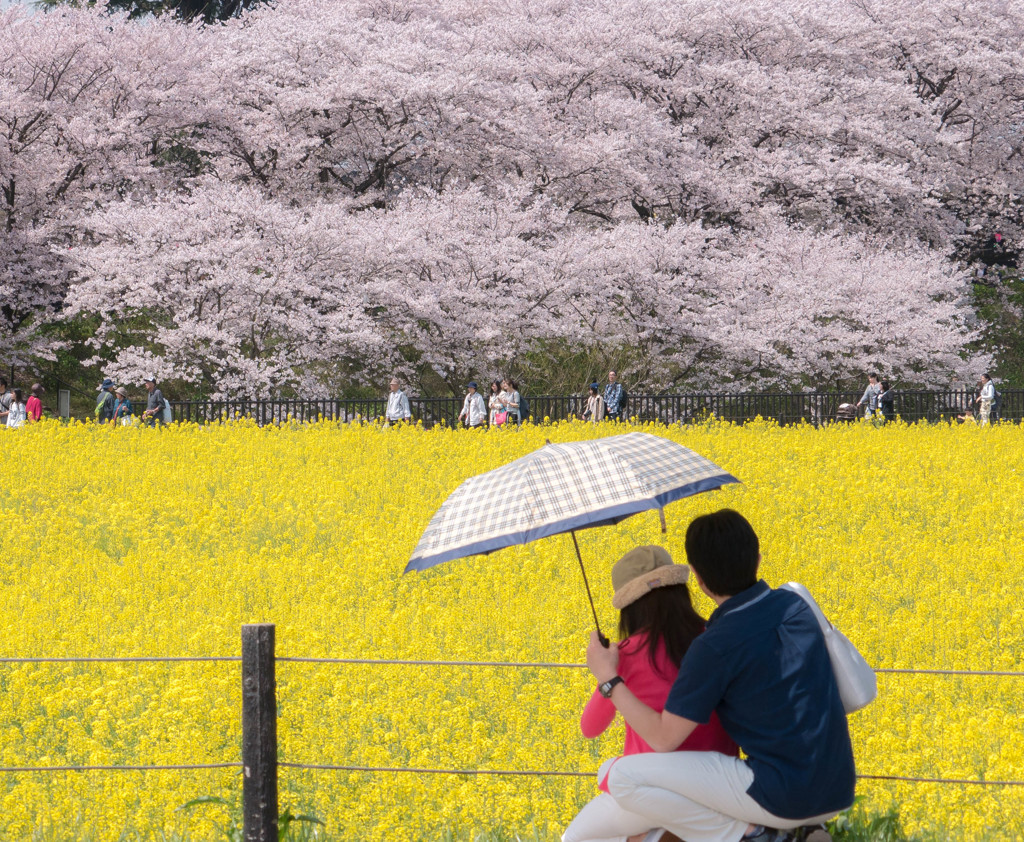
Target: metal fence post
pixel 259 734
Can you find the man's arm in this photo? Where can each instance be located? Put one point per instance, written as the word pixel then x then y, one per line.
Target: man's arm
pixel 661 731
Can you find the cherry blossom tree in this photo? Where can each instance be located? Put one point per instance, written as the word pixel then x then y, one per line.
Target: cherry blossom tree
pixel 315 194
pixel 88 108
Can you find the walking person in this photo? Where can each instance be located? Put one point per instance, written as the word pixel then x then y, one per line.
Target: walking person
pixel 17 412
pixel 154 411
pixel 986 398
pixel 595 405
pixel 614 398
pixel 34 404
pixel 104 411
pixel 657 624
pixel 887 401
pixel 869 400
pixel 6 399
pixel 494 403
pixel 474 410
pixel 513 401
pixel 398 404
pixel 762 665
pixel 122 408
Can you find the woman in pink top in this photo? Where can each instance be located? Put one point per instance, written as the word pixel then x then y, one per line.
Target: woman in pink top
pixel 34 405
pixel 657 623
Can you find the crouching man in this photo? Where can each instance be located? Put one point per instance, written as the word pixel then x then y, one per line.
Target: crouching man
pixel 762 666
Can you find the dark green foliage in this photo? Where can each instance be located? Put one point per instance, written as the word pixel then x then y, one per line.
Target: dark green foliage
pixel 209 11
pixel 999 299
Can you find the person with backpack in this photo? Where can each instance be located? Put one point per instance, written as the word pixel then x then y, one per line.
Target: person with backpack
pixel 155 404
pixel 105 401
pixel 614 398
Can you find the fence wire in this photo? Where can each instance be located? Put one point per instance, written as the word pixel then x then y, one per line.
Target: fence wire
pixel 327 767
pixel 144 659
pixel 405 662
pixel 431 771
pixel 558 773
pixel 145 768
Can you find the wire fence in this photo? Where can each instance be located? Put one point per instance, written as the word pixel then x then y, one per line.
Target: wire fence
pixel 379 662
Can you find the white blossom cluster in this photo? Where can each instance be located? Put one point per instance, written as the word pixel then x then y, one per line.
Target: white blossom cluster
pixel 746 195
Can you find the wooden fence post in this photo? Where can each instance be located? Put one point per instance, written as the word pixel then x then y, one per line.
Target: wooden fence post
pixel 259 734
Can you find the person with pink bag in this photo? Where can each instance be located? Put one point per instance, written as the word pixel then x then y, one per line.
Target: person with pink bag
pixel 657 624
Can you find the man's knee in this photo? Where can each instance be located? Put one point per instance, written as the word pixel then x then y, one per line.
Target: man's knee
pixel 620 781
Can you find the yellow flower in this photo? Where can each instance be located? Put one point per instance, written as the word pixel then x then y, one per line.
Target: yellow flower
pixel 139 541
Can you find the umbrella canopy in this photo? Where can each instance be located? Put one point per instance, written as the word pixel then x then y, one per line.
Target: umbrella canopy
pixel 561 488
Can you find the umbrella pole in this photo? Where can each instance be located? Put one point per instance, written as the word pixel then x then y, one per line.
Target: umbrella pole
pixel 604 640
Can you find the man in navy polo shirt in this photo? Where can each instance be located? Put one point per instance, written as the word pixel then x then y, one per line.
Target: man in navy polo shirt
pixel 763 667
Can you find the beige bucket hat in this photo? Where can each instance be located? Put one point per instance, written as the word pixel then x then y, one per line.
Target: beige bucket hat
pixel 643 569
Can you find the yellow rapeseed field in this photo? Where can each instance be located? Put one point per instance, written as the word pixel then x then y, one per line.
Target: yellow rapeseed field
pixel 132 542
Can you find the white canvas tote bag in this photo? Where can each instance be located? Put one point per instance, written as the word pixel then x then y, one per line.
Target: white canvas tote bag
pixel 857 684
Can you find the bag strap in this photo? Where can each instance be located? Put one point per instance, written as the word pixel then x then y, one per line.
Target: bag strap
pixel 805 595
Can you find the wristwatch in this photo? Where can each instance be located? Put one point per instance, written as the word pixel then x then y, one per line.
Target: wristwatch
pixel 606 688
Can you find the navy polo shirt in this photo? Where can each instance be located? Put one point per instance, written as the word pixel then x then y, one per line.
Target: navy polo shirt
pixel 763 667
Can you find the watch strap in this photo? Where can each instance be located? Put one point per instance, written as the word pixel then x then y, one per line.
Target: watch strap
pixel 606 688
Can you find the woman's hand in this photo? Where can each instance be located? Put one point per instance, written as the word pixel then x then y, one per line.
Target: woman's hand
pixel 603 663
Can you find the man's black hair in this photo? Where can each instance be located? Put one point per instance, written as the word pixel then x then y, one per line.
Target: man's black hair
pixel 723 550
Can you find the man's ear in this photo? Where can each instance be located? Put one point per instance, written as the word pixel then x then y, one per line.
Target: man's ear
pixel 700 583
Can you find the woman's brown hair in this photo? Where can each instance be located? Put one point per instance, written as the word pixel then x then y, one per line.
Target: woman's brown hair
pixel 668 617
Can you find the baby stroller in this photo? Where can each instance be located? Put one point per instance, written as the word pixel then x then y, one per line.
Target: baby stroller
pixel 846 412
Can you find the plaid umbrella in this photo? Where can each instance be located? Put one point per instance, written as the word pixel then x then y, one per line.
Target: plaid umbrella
pixel 561 488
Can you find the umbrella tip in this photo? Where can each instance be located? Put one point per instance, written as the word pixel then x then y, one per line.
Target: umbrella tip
pixel 547 441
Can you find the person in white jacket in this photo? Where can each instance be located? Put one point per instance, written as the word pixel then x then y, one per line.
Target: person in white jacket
pixel 398 404
pixel 474 410
pixel 17 412
pixel 986 399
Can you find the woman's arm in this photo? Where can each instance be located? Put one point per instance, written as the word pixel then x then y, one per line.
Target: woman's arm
pixel 597 716
pixel 661 731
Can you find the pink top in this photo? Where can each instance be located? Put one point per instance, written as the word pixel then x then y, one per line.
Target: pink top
pixel 650 686
pixel 34 407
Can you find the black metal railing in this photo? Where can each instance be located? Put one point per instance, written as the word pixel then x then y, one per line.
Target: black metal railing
pixel 786 408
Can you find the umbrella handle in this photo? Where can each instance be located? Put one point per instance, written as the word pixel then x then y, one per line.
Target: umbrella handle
pixel 605 642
